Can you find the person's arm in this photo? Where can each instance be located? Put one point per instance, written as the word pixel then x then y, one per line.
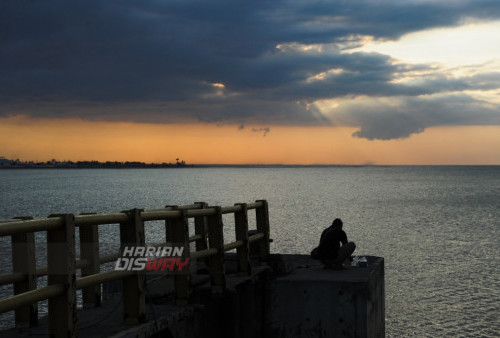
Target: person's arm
pixel 343 238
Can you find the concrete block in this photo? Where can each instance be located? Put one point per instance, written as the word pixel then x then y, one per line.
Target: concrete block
pixel 316 302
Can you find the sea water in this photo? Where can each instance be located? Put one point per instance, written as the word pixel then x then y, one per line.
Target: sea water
pixel 438 228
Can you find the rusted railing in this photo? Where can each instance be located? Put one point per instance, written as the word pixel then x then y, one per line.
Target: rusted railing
pixel 62 265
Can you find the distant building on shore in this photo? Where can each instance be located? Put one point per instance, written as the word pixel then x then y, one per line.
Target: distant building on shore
pixel 5 162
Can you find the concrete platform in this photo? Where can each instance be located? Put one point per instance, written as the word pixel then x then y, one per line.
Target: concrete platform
pixel 311 301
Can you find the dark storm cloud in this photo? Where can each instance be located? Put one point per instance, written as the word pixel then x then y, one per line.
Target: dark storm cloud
pixel 157 61
pixel 383 121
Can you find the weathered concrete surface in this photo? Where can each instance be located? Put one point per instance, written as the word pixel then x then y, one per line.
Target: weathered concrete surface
pixel 315 302
pixel 291 297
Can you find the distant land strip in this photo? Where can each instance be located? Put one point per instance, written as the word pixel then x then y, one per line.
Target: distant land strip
pixel 54 164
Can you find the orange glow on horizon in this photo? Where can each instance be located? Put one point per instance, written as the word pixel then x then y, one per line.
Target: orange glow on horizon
pixel 77 140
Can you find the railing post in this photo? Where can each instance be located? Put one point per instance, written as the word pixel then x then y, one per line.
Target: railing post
pixel 200 228
pixel 89 250
pixel 177 232
pixel 262 215
pixel 61 270
pixel 23 261
pixel 134 296
pixel 241 228
pixel 216 241
pixel 169 225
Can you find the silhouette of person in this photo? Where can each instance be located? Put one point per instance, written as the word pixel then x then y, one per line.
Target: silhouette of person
pixel 331 254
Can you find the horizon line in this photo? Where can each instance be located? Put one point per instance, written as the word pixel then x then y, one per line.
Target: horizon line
pixel 186 164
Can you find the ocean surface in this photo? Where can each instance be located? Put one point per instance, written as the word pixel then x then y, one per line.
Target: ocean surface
pixel 438 228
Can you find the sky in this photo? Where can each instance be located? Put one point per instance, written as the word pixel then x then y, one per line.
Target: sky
pixel 260 82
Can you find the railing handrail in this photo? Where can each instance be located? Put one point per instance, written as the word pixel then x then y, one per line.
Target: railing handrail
pixel 208 221
pixel 9 227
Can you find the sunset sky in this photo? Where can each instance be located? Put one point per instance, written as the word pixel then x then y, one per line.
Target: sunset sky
pixel 270 82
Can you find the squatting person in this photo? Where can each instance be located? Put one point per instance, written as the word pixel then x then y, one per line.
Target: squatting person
pixel 329 251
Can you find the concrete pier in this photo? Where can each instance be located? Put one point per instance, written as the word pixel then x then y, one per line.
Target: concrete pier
pixel 235 289
pixel 310 301
pixel 292 296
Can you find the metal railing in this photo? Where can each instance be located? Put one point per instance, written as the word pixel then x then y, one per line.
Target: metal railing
pixel 62 265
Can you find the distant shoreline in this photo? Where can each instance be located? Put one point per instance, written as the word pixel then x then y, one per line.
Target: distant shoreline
pixel 236 166
pixel 99 166
pixel 54 164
